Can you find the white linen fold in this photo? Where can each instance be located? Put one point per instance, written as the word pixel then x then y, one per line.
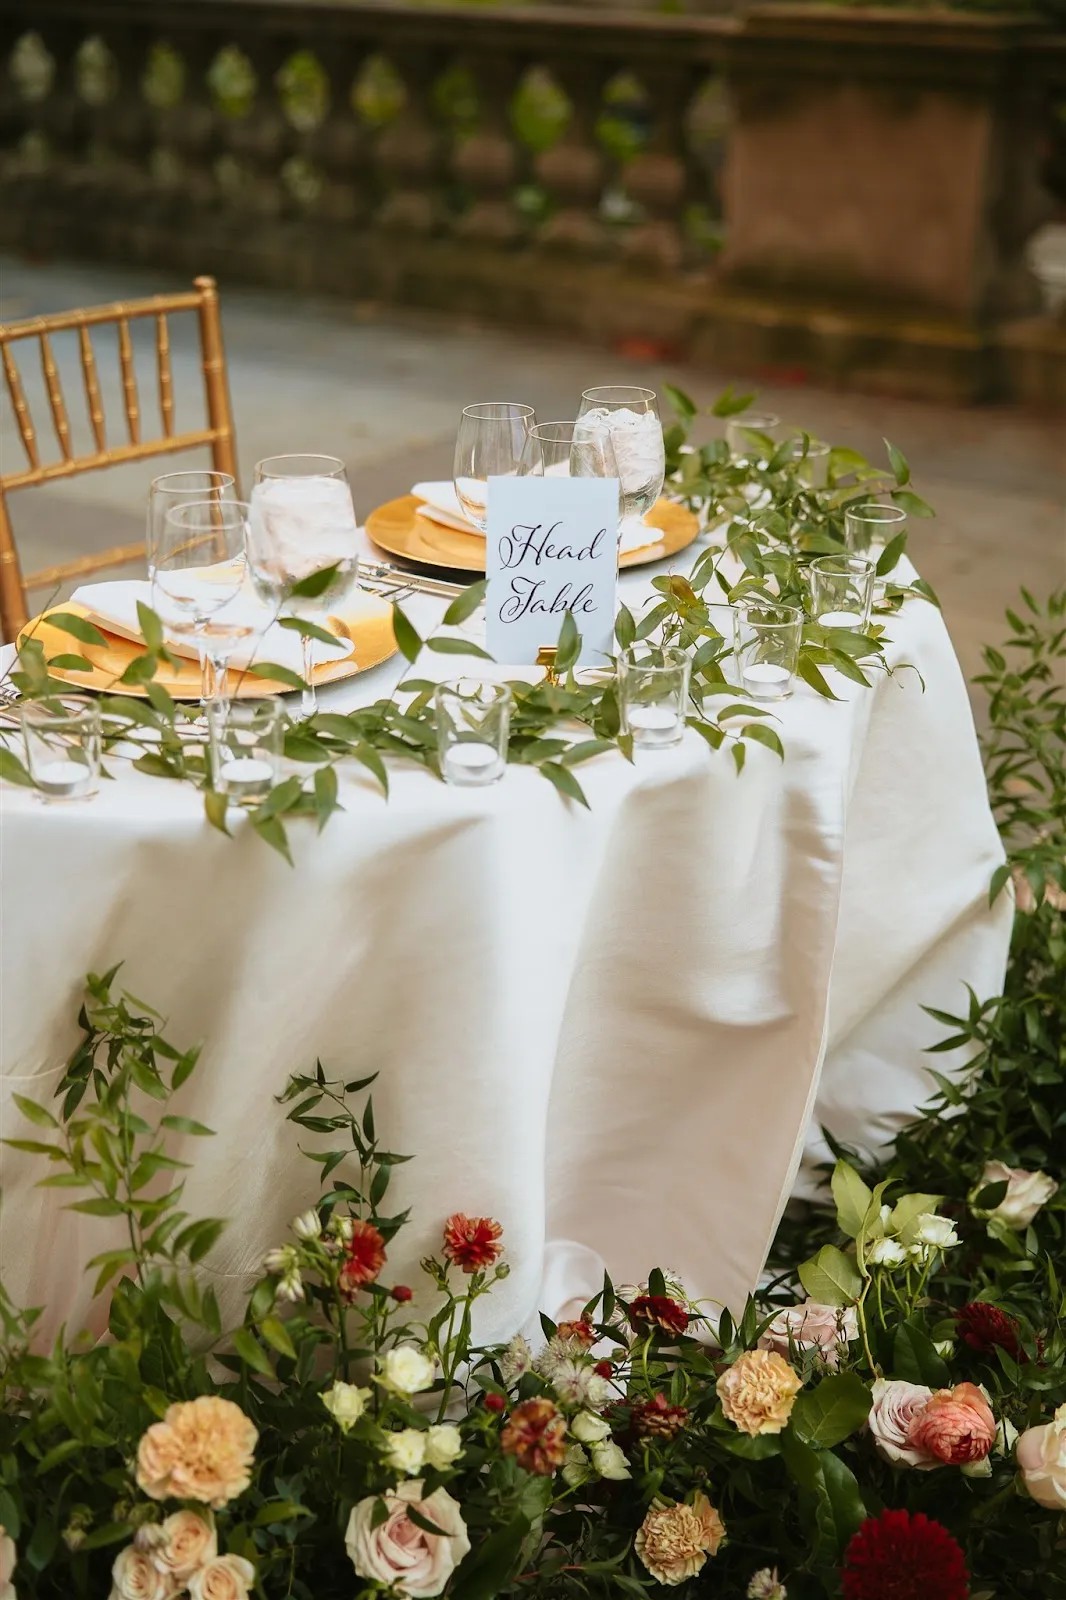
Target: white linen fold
pixel 440 504
pixel 113 607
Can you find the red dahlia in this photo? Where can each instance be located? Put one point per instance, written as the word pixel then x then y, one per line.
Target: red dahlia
pixel 471 1243
pixel 364 1257
pixel 897 1556
pixel 659 1311
pixel 984 1327
pixel 535 1435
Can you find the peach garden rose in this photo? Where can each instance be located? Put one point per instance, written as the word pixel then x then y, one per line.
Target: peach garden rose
pixel 758 1392
pixel 223 1578
pixel 202 1450
pixel 135 1576
pixel 812 1326
pixel 955 1425
pixel 187 1542
pixel 398 1551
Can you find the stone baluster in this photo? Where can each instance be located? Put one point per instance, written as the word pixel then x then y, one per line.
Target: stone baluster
pixel 488 163
pixel 574 170
pixel 257 141
pixel 657 178
pixel 339 147
pixel 411 150
pixel 125 117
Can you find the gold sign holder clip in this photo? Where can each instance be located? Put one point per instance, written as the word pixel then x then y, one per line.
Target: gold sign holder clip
pixel 546 659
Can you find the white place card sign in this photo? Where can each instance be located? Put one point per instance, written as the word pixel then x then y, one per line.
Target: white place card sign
pixel 552 548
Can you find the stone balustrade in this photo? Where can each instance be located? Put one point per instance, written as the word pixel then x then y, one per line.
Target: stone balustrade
pixel 795 186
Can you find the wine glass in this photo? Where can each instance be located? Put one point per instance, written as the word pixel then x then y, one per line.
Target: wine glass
pixel 173 489
pixel 491 439
pixel 630 416
pixel 562 450
pixel 302 522
pixel 196 564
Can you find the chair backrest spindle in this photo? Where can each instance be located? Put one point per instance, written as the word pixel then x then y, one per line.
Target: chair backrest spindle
pixel 93 397
pixel 218 434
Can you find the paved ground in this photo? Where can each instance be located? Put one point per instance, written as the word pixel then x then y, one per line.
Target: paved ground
pixel 383 389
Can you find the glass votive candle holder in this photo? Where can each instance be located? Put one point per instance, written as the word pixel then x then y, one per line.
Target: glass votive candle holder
pixel 747 449
pixel 62 739
pixel 654 696
pixel 246 740
pixel 842 591
pixel 767 638
pixel 870 525
pixel 812 464
pixel 473 726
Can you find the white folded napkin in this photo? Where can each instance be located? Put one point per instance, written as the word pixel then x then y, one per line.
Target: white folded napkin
pixel 441 505
pixel 113 606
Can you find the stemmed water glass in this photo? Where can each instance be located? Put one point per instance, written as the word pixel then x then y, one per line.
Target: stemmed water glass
pixel 491 439
pixel 629 415
pixel 302 522
pixel 563 450
pixel 165 494
pixel 196 565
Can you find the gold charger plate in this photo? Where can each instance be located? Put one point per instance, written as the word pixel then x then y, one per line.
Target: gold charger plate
pixel 397 528
pixel 368 625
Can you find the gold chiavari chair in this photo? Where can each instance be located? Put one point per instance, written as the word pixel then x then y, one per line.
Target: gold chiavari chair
pixel 218 434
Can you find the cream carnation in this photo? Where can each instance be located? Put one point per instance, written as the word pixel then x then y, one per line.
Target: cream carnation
pixel 135 1576
pixel 223 1578
pixel 202 1450
pixel 398 1551
pixel 896 1406
pixel 188 1541
pixel 1041 1456
pixel 674 1541
pixel 758 1392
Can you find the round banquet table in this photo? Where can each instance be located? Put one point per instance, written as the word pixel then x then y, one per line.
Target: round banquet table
pixel 615 1030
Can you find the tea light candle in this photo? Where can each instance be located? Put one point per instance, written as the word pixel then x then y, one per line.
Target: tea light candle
pixel 62 779
pixel 766 680
pixel 842 619
pixel 245 775
pixel 654 724
pixel 472 762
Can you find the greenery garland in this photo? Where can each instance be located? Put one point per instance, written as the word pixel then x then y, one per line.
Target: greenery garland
pixel 769 522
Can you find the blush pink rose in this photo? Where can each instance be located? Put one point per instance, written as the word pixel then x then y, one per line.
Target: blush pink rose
pixel 956 1426
pixel 400 1553
pixel 1041 1456
pixel 812 1326
pixel 896 1406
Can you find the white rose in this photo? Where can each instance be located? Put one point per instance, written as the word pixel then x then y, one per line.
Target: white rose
pixel 308 1226
pixel 397 1551
pixel 8 1557
pixel 589 1429
pixel 945 1348
pixel 407 1370
pixel 345 1403
pixel 187 1541
pixel 406 1451
pixel 444 1445
pixel 224 1578
pixel 1041 1455
pixel 936 1232
pixel 609 1460
pixel 886 1253
pixel 895 1405
pixel 576 1467
pixel 1006 1437
pixel 1026 1193
pixel 135 1576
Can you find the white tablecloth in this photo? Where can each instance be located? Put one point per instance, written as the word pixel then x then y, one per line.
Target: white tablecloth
pixel 608 1029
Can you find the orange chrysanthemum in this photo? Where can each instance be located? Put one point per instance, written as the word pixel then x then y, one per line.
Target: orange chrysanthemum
pixel 364 1257
pixel 472 1243
pixel 535 1434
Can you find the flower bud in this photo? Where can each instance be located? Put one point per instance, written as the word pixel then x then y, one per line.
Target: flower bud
pixel 308 1226
pixel 495 1402
pixel 401 1293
